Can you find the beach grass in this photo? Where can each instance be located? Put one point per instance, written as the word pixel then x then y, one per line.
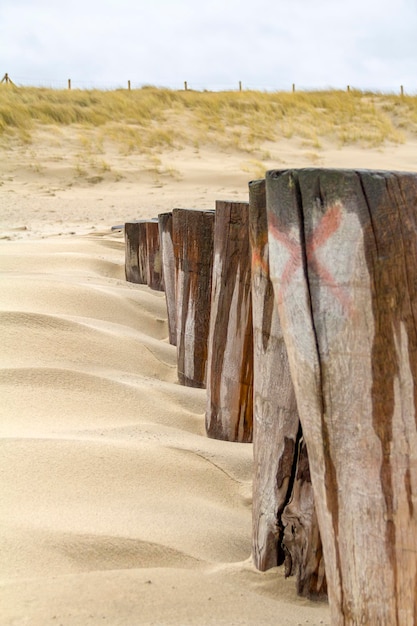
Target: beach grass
pixel 154 119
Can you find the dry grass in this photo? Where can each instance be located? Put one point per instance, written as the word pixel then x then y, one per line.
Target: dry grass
pixel 150 120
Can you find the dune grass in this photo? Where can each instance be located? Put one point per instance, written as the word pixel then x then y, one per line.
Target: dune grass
pixel 153 119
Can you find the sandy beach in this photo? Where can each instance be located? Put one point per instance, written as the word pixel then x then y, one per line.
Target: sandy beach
pixel 115 506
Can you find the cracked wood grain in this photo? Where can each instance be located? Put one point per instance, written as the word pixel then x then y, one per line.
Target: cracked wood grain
pixel 230 355
pixel 192 236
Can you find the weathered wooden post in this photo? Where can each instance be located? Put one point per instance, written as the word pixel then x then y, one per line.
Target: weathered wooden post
pixel 168 271
pixel 343 260
pixel 276 428
pixel 192 235
pixel 131 252
pixel 136 255
pixel 154 276
pixel 230 352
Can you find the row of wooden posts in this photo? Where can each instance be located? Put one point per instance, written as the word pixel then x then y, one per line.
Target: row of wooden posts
pixel 297 311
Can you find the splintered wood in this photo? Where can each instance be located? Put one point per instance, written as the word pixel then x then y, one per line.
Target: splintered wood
pixel 277 432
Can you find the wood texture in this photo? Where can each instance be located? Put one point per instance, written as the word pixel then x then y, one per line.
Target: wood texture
pixel 301 540
pixel 192 235
pixel 142 252
pixel 343 259
pixel 230 348
pixel 131 230
pixel 154 274
pixel 275 417
pixel 168 272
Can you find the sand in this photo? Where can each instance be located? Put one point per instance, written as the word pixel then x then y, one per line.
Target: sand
pixel 115 506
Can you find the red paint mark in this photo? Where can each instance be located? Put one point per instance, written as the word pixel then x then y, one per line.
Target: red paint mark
pixel 328 225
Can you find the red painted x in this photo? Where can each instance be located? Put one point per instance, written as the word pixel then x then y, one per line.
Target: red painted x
pixel 327 226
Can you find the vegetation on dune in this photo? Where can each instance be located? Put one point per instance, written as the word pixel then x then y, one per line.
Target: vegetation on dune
pixel 152 119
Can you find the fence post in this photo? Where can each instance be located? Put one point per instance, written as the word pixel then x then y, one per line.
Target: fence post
pixel 402 90
pixel 293 87
pixel 128 85
pixel 6 79
pixel 240 85
pixel 185 86
pixel 69 83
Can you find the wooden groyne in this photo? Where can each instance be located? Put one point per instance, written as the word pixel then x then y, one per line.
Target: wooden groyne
pixel 318 300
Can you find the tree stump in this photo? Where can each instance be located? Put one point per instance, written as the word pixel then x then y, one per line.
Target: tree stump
pixel 131 252
pixel 343 260
pixel 154 275
pixel 192 235
pixel 302 542
pixel 230 351
pixel 275 417
pixel 168 272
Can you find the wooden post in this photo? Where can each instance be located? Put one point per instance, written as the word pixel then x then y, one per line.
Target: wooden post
pixel 348 88
pixel 343 251
pixel 278 480
pixel 402 90
pixel 240 85
pixel 154 275
pixel 131 252
pixel 168 271
pixel 230 352
pixel 128 85
pixel 293 87
pixel 275 418
pixel 192 235
pixel 185 85
pixel 143 263
pixel 69 84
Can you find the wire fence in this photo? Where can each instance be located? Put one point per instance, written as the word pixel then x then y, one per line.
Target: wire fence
pixel 90 85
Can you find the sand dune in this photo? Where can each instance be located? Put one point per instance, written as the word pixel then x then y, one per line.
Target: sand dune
pixel 115 506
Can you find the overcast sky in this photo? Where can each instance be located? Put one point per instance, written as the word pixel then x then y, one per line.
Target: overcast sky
pixel 266 44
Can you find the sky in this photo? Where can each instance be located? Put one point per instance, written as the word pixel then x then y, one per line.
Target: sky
pixel 267 45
